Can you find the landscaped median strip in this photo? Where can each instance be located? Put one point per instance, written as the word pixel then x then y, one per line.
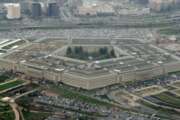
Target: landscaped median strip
pixel 4 87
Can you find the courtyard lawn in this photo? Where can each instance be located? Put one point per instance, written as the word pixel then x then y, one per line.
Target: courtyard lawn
pixel 10 84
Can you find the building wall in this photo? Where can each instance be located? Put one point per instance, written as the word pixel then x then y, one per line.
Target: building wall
pixel 91 82
pixel 102 81
pixel 50 75
pixel 13 11
pixel 33 72
pixel 36 10
pixel 75 81
pixel 127 76
pixel 149 73
pixel 7 65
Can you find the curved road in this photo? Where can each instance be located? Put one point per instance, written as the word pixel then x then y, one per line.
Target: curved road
pixel 14 107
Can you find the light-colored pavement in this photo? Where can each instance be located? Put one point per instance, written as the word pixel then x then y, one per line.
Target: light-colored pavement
pixel 14 107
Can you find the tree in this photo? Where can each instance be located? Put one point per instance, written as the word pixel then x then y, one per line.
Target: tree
pixel 78 50
pixel 112 53
pixel 69 51
pixel 103 51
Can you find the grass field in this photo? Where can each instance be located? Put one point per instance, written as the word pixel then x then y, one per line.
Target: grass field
pixel 170 99
pixel 7 116
pixel 3 77
pixel 10 84
pixel 165 114
pixel 4 107
pixel 35 115
pixel 170 31
pixel 6 112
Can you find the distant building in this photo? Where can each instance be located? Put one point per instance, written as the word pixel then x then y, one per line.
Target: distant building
pixel 36 10
pixel 177 3
pixel 95 8
pixel 13 10
pixel 159 5
pixel 25 7
pixel 53 10
pixel 144 2
pixel 2 10
pixel 61 2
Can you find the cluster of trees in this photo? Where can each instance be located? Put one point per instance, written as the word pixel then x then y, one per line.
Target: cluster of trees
pixel 78 53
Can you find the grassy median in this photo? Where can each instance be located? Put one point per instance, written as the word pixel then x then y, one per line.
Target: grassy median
pixel 10 84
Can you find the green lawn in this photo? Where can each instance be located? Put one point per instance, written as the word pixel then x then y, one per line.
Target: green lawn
pixel 170 31
pixel 7 116
pixel 169 99
pixel 35 116
pixel 3 77
pixel 4 107
pixel 10 84
pixel 161 112
pixel 6 112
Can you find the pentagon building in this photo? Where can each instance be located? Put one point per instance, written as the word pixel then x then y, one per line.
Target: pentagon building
pixel 46 59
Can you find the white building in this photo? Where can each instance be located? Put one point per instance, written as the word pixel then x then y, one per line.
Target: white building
pixel 96 8
pixel 158 5
pixel 13 10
